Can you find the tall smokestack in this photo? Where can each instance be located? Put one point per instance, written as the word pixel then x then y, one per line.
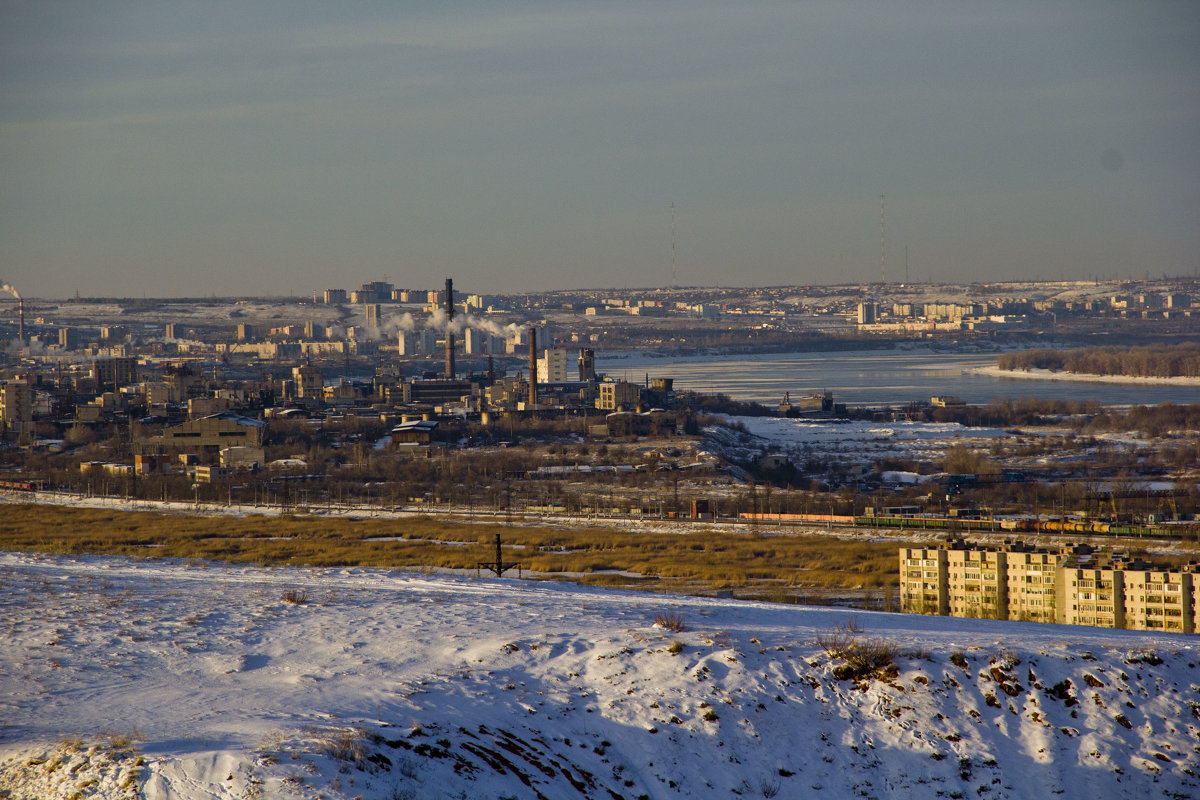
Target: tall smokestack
pixel 449 332
pixel 532 367
pixel 21 324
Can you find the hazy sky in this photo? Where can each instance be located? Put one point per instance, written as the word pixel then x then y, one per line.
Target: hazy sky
pixel 175 148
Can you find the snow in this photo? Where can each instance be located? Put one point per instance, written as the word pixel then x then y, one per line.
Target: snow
pixel 846 442
pixel 169 679
pixel 1051 375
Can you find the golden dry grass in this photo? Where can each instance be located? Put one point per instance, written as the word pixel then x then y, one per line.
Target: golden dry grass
pixel 774 566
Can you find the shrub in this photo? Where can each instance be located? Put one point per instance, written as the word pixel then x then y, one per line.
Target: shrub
pixel 670 621
pixel 296 597
pixel 343 744
pixel 675 648
pixel 864 657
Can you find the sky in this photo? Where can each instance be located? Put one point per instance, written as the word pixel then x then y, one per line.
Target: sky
pixel 280 146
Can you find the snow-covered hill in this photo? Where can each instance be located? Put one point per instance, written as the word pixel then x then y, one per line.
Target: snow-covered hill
pixel 191 680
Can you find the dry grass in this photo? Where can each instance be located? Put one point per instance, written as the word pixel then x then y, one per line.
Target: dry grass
pixel 775 567
pixel 296 597
pixel 670 621
pixel 863 656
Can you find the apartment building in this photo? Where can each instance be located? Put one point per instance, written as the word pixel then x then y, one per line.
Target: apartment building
pixel 977 582
pixel 16 407
pixel 1032 578
pixel 923 588
pixel 1069 585
pixel 552 367
pixel 1158 600
pixel 1091 596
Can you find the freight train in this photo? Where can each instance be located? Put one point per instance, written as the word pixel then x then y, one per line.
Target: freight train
pixel 995 524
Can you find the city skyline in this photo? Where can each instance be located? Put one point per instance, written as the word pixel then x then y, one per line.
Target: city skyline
pixel 182 150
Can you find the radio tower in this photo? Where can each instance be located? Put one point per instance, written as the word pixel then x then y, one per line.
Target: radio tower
pixel 882 241
pixel 673 281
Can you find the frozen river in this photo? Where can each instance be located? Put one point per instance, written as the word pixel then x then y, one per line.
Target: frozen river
pixel 874 377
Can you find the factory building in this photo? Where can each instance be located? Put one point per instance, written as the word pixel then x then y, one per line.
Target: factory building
pixel 618 396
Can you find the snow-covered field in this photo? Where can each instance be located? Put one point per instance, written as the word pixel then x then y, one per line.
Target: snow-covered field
pixel 854 442
pixel 1049 375
pixel 159 679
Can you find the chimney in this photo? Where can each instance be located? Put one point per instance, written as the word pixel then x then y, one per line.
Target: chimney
pixel 532 367
pixel 449 331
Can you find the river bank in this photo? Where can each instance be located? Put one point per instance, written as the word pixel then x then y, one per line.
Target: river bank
pixel 1050 375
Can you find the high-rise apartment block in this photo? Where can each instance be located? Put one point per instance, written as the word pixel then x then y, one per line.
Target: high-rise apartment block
pixel 552 367
pixel 16 407
pixel 478 343
pixel 1071 585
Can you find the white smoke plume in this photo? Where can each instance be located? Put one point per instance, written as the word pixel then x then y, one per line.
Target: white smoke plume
pixel 492 328
pixel 8 287
pixel 16 348
pixel 395 323
pixel 438 321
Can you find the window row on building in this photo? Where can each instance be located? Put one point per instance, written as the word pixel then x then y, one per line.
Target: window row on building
pixel 1073 585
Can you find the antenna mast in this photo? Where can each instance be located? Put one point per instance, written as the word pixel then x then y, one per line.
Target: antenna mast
pixel 882 241
pixel 673 281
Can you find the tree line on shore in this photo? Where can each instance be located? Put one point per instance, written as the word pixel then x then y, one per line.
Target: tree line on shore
pixel 1151 361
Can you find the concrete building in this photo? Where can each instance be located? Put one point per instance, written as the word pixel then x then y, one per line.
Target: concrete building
pixel 1069 585
pixel 113 373
pixel 924 588
pixel 506 393
pixel 310 384
pixel 553 366
pixel 630 423
pixel 411 343
pixel 977 582
pixel 16 407
pixel 414 432
pixel 375 292
pixel 518 343
pixel 1159 600
pixel 478 343
pixel 587 364
pixel 208 436
pixel 371 311
pixel 439 392
pixel 618 396
pixel 1177 300
pixel 1091 596
pixel 242 457
pixel 867 313
pixel 1032 578
pixel 335 296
